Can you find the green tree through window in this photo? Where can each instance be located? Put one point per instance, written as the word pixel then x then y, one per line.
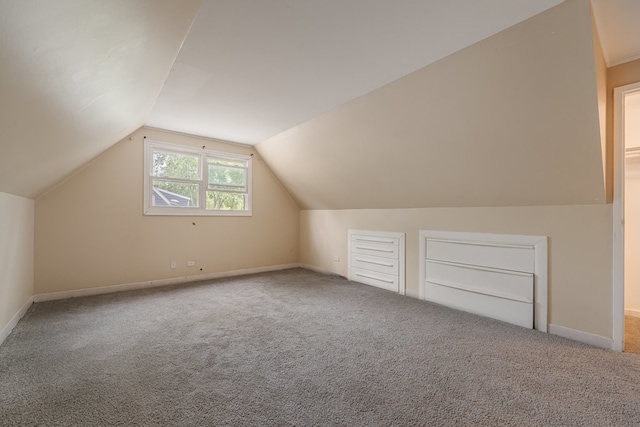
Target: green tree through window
pixel 227 184
pixel 181 178
pixel 181 166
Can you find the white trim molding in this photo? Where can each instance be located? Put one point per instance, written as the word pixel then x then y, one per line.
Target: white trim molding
pixel 4 333
pixel 631 312
pixel 156 283
pixel 580 336
pixel 320 270
pixel 619 95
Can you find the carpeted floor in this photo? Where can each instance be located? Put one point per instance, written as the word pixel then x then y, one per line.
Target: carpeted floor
pixel 297 348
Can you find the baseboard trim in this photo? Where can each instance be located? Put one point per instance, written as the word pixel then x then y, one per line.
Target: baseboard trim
pixel 319 270
pixel 15 319
pixel 52 296
pixel 631 312
pixel 584 337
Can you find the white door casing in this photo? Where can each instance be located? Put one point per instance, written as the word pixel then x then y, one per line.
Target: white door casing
pixel 619 95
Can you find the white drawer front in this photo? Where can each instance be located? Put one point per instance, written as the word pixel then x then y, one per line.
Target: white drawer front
pixel 379 264
pixel 499 283
pixel 375 239
pixel 373 278
pixel 376 258
pixel 515 312
pixel 506 257
pixel 375 249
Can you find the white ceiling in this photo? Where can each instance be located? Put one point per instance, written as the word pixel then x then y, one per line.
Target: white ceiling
pixel 251 69
pixel 618 23
pixel 79 75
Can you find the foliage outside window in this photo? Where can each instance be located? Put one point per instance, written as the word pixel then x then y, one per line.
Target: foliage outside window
pixel 183 180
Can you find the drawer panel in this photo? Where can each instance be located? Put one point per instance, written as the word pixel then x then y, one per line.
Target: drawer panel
pixel 373 278
pixel 379 264
pixel 355 238
pixel 500 283
pixel 506 257
pixel 375 249
pixel 515 312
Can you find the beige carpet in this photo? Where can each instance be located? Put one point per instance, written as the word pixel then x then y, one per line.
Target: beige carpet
pixel 297 348
pixel 632 334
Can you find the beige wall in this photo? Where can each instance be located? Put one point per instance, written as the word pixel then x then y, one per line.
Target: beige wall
pixel 580 245
pixel 510 121
pixel 90 230
pixel 623 74
pixel 601 84
pixel 16 255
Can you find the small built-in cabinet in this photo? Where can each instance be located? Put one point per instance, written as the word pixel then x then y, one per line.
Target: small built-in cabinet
pixel 376 258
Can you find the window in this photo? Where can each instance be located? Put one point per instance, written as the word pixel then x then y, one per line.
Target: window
pixel 183 180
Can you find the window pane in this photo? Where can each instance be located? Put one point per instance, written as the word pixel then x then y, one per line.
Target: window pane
pixel 217 200
pixel 222 177
pixel 177 194
pixel 176 181
pixel 174 165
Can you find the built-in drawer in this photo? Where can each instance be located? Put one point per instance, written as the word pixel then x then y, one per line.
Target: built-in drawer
pixel 506 284
pixel 357 238
pixel 495 255
pixel 374 263
pixel 371 248
pixel 376 258
pixel 495 275
pixel 374 278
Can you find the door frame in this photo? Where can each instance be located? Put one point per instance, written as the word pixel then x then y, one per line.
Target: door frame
pixel 619 95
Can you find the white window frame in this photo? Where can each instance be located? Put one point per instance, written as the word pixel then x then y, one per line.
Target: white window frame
pixel 203 154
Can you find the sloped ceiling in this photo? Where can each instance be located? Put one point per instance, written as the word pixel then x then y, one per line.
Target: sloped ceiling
pixel 79 75
pixel 619 29
pixel 76 77
pixel 509 121
pixel 251 69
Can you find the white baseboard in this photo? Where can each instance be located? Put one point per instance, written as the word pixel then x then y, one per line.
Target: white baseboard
pixel 319 270
pixel 51 296
pixel 584 337
pixel 631 312
pixel 4 333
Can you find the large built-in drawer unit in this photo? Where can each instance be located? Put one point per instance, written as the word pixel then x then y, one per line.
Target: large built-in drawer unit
pixel 376 258
pixel 495 275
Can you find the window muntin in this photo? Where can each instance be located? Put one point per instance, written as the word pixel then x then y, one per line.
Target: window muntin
pixel 188 181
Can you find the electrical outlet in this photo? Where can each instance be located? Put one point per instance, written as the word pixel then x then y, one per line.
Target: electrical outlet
pixel 191 263
pixel 173 264
pixel 336 259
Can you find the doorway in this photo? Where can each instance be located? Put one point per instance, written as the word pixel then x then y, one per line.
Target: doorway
pixel 626 207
